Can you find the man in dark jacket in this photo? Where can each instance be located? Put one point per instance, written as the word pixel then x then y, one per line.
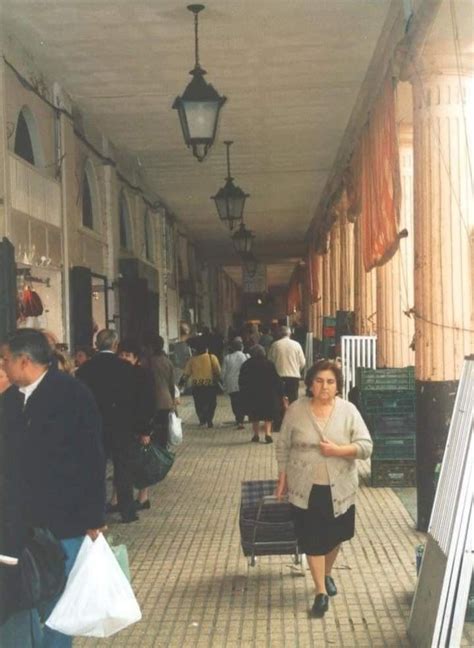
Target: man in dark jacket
pixel 112 382
pixel 56 467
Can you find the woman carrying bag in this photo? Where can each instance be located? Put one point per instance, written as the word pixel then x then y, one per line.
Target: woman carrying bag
pixel 321 437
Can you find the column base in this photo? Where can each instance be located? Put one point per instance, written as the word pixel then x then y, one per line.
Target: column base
pixel 434 409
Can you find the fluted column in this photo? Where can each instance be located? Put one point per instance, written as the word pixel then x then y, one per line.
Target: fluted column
pixel 335 268
pixel 365 305
pixel 395 281
pixel 347 265
pixel 443 138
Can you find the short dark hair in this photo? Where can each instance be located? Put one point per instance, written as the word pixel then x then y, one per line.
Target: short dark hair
pixel 200 345
pixel 87 350
pixel 237 344
pixel 31 343
pixel 257 351
pixel 129 346
pixel 323 365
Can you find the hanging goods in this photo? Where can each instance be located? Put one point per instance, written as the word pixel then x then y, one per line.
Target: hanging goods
pixel 32 306
pixel 150 464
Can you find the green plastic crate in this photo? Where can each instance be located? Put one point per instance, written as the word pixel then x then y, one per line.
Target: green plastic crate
pixel 391 425
pixel 393 473
pixel 329 321
pixel 385 379
pixel 394 447
pixel 387 403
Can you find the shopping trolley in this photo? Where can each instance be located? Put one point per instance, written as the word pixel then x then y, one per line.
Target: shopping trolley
pixel 266 523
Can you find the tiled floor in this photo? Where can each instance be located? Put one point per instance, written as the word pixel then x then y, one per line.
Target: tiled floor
pixel 196 589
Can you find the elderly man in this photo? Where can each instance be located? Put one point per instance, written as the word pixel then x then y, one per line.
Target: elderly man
pixel 289 361
pixel 56 465
pixel 112 382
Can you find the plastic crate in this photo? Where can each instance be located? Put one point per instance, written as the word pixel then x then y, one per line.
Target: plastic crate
pixel 385 379
pixel 393 473
pixel 391 425
pixel 387 403
pixel 329 321
pixel 395 447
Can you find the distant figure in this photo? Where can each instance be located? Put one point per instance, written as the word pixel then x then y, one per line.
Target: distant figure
pixel 82 354
pixel 289 361
pixel 163 373
pixel 181 351
pixel 230 378
pixel 266 339
pixel 261 392
pixel 204 371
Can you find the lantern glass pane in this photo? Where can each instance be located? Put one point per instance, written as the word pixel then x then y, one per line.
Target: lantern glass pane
pixel 201 118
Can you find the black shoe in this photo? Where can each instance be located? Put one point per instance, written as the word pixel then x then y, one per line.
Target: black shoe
pixel 210 424
pixel 255 439
pixel 111 508
pixel 268 439
pixel 320 606
pixel 331 588
pixel 129 518
pixel 142 506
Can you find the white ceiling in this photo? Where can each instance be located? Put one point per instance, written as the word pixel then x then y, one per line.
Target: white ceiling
pixel 291 71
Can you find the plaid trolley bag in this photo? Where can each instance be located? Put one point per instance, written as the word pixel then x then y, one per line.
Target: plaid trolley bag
pixel 266 524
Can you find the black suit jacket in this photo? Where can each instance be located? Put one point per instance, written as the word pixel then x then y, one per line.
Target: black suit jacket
pixel 113 384
pixel 55 460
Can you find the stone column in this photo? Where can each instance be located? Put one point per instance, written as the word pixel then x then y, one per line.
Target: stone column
pixel 443 138
pixel 318 305
pixel 326 280
pixel 347 265
pixel 335 268
pixel 395 324
pixel 364 290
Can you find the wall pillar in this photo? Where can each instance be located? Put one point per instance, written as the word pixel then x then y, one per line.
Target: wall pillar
pixel 395 282
pixel 5 202
pixel 443 137
pixel 364 290
pixel 335 268
pixel 326 281
pixel 347 265
pixel 318 305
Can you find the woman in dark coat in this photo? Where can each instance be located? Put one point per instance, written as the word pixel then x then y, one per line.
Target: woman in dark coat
pixel 261 391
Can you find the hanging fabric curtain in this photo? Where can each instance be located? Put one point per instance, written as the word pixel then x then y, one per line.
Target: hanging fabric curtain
pixel 295 292
pixel 377 172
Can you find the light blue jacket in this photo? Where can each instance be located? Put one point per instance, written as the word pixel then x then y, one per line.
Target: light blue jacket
pixel 231 370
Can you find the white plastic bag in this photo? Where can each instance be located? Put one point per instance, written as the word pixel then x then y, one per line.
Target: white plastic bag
pixel 175 429
pixel 98 600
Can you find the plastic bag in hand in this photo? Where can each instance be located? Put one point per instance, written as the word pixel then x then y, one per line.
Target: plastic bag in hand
pixel 175 429
pixel 98 600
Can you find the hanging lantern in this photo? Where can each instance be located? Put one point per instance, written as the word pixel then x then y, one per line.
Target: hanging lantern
pixel 230 199
pixel 250 264
pixel 199 106
pixel 242 240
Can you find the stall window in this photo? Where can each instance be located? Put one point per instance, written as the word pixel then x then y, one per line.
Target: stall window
pixel 23 142
pixel 124 224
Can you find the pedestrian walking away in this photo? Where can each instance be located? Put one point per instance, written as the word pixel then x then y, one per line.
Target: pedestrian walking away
pixel 289 361
pixel 321 437
pixel 112 383
pixel 262 392
pixel 163 373
pixel 230 378
pixel 204 371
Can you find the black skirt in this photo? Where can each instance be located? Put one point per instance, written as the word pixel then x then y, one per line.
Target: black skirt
pixel 317 530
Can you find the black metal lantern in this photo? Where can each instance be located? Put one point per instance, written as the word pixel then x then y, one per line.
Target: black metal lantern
pixel 242 240
pixel 250 264
pixel 199 106
pixel 230 199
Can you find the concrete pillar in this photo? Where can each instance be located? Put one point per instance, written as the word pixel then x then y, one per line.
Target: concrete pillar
pixel 364 290
pixel 347 265
pixel 395 282
pixel 318 305
pixel 335 268
pixel 326 281
pixel 443 138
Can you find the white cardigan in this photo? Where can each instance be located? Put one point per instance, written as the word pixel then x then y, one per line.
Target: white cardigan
pixel 297 452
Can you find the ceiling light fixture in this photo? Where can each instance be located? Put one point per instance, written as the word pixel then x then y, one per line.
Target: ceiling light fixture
pixel 199 106
pixel 250 264
pixel 230 199
pixel 242 240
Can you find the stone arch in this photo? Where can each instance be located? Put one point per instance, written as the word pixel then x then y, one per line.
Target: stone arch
pixel 90 198
pixel 27 143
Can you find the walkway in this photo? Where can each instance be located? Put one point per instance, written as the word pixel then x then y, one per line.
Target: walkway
pixel 194 585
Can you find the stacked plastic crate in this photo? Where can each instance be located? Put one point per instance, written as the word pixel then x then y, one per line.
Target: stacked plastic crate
pixel 387 403
pixel 329 337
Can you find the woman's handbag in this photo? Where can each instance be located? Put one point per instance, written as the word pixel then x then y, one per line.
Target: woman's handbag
pixel 98 600
pixel 150 464
pixel 41 568
pixel 175 429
